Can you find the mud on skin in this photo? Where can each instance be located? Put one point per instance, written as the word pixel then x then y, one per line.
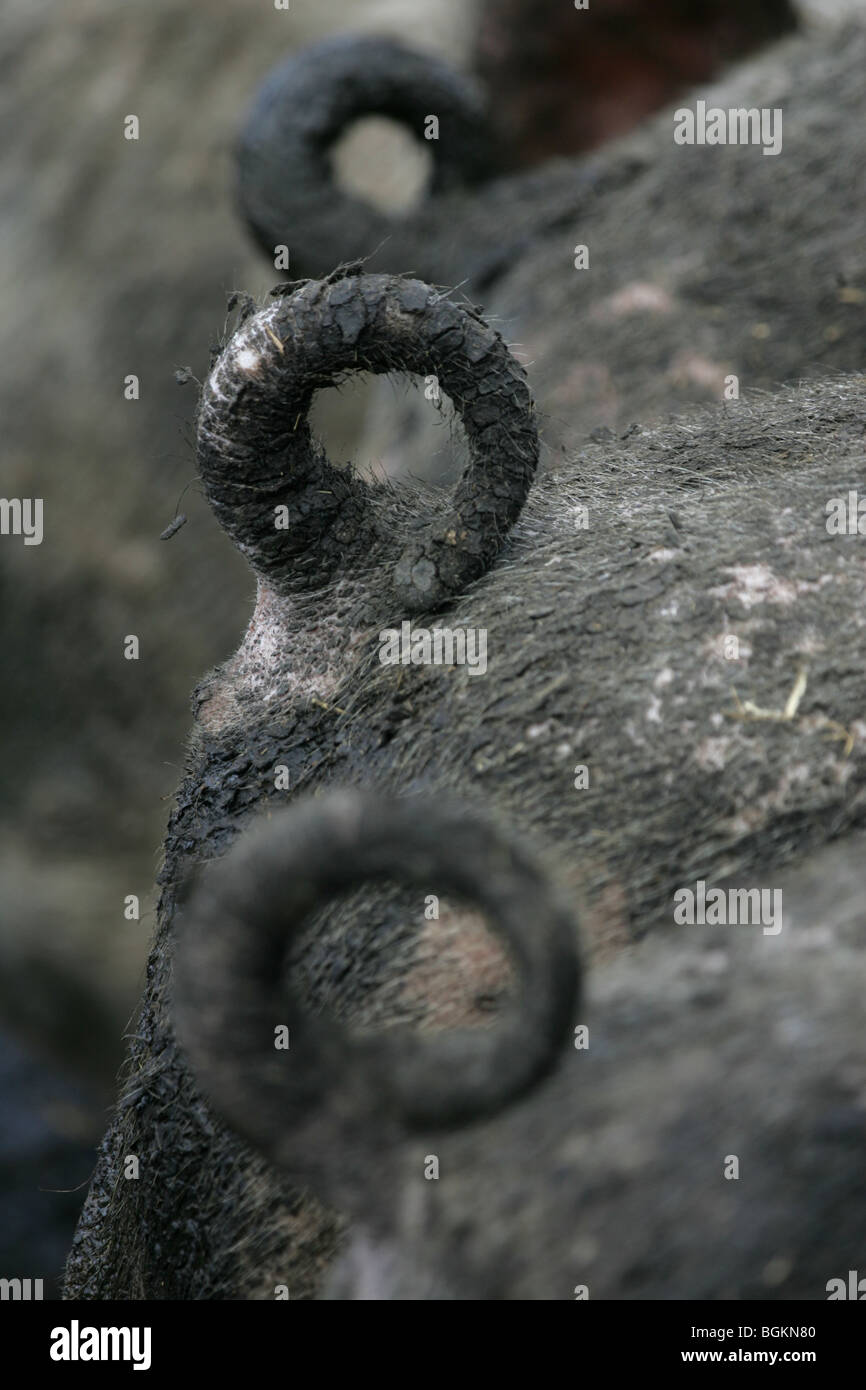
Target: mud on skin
pixel 606 648
pixel 114 239
pixel 117 258
pixel 704 262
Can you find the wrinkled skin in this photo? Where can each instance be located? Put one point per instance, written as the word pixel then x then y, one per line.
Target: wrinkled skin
pixel 610 647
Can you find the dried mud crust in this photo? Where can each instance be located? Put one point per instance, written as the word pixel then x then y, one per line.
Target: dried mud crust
pixel 256 452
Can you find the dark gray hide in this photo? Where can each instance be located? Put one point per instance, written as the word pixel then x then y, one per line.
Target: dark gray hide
pixel 705 1048
pixel 704 261
pixel 669 612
